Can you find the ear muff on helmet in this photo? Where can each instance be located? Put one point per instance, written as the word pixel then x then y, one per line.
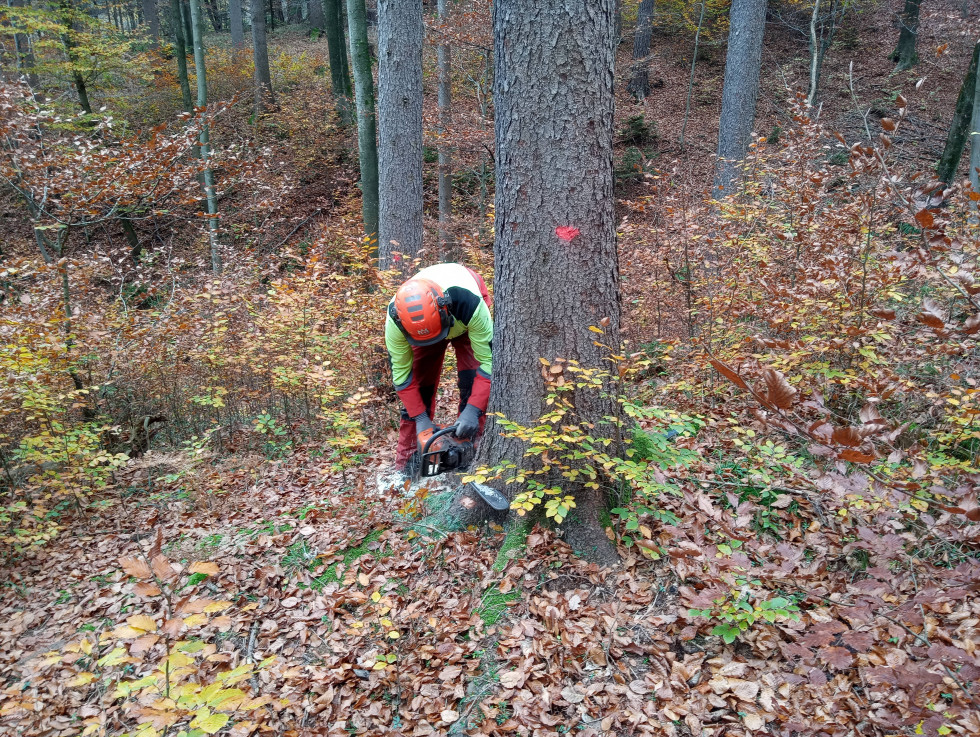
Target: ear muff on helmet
pixel 421 311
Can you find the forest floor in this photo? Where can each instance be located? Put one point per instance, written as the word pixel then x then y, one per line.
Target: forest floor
pixel 485 643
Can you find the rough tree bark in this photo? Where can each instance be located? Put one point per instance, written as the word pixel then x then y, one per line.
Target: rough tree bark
pixel 904 54
pixel 949 162
pixel 152 20
pixel 400 32
pixel 264 97
pixel 747 22
pixel 180 52
pixel 639 84
pixel 367 138
pixel 445 149
pixel 197 24
pixel 236 24
pixel 339 70
pixel 553 101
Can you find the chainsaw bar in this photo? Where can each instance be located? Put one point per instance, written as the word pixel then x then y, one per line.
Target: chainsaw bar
pixel 490 495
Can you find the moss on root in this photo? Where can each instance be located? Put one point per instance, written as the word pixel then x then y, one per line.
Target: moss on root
pixel 514 542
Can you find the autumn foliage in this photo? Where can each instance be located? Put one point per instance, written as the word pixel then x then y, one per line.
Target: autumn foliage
pixel 193 534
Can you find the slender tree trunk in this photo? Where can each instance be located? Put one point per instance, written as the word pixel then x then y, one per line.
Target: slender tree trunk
pixel 815 56
pixel 639 84
pixel 197 25
pixel 747 22
pixel 152 20
pixel 367 143
pixel 180 51
pixel 67 12
pixel 185 12
pixel 445 150
pixel 400 32
pixel 949 162
pixel 904 54
pixel 236 24
pixel 316 19
pixel 339 70
pixel 690 85
pixel 272 15
pixel 264 97
pixel 975 145
pixel 556 269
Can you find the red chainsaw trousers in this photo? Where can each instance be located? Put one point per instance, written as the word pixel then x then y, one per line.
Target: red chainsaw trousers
pixel 427 369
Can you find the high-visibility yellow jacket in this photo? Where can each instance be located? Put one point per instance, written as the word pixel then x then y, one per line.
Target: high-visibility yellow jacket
pixel 471 316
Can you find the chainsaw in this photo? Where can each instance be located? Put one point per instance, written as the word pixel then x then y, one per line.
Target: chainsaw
pixel 443 452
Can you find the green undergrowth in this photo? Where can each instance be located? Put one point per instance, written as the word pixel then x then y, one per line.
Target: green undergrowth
pixel 514 542
pixel 301 556
pixel 494 603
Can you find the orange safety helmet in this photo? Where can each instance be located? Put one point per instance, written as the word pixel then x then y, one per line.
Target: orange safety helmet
pixel 421 311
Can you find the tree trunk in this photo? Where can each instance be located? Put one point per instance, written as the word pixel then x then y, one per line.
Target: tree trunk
pixel 197 24
pixel 553 97
pixel 272 15
pixel 445 150
pixel 185 12
pixel 367 143
pixel 152 20
pixel 264 97
pixel 316 19
pixel 949 162
pixel 400 32
pixel 975 145
pixel 180 51
pixel 236 24
pixel 639 84
pixel 904 54
pixel 67 12
pixel 339 70
pixel 747 23
pixel 815 56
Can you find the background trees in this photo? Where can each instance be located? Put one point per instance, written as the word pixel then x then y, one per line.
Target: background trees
pixel 742 64
pixel 260 55
pixel 400 32
pixel 904 54
pixel 367 145
pixel 819 430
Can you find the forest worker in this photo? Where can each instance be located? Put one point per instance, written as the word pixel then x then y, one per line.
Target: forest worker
pixel 441 305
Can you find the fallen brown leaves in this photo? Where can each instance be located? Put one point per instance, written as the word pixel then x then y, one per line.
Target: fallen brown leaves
pixel 388 639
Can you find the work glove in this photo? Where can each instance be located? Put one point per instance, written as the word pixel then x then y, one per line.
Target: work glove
pixel 422 423
pixel 468 422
